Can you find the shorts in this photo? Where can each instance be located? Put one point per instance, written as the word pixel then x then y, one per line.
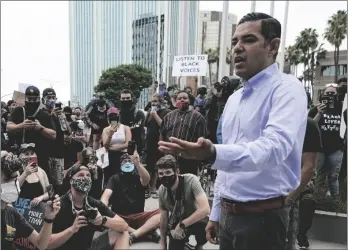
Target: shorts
pixel 56 170
pixel 137 220
pixel 101 242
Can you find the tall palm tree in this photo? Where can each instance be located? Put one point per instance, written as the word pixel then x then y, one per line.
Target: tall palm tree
pixel 212 58
pixel 335 33
pixel 307 42
pixel 316 55
pixel 293 56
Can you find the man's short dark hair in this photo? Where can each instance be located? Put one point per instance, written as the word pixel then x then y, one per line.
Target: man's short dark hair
pixel 167 162
pixel 127 91
pixel 342 80
pixel 270 27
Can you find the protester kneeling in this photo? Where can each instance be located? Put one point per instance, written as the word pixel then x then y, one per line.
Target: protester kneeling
pixel 81 216
pixel 126 193
pixel 185 199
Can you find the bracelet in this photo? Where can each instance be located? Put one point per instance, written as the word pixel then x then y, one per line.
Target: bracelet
pixel 48 220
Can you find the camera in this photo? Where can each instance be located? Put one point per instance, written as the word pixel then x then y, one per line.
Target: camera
pixel 10 165
pixel 329 101
pixel 90 214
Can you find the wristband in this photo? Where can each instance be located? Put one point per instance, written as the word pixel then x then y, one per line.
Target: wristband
pixel 49 221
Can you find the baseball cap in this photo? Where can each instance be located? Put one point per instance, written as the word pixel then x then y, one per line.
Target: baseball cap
pixel 26 146
pixel 113 111
pixel 48 91
pixel 74 170
pixel 32 91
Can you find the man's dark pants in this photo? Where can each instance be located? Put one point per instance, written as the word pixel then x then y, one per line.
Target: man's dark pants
pixel 254 231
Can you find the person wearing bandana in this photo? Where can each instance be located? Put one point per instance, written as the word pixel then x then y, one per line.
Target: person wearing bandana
pixel 126 194
pixel 81 216
pixel 39 129
pixel 184 198
pixel 132 117
pixel 186 124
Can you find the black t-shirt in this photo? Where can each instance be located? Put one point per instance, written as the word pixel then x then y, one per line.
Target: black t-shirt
pixel 329 125
pixel 135 120
pixel 128 196
pixel 32 136
pixel 13 225
pixel 65 218
pixel 99 118
pixel 312 140
pixel 152 132
pixel 70 153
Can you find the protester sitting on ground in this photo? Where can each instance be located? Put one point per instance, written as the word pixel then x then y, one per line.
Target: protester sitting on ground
pixel 126 193
pixel 185 199
pixel 33 181
pixel 81 216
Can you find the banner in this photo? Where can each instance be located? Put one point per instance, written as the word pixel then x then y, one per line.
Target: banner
pixel 190 65
pixel 33 215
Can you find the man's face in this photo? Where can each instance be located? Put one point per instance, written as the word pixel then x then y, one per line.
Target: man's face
pixel 67 139
pixel 77 111
pixel 82 173
pixel 251 52
pixel 28 154
pixel 32 99
pixel 183 97
pixel 155 102
pixel 126 160
pixel 126 97
pixel 14 104
pixel 50 97
pixel 165 172
pixel 330 91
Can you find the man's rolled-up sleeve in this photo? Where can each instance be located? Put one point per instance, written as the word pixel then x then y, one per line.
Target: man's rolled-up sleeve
pixel 287 117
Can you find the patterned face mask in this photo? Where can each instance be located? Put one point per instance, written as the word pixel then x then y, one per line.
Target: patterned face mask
pixel 82 184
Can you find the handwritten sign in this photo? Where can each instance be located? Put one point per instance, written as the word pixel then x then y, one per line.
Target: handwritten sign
pixel 19 97
pixel 33 215
pixel 190 65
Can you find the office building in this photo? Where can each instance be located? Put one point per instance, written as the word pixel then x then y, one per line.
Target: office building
pixel 106 34
pixel 325 71
pixel 209 34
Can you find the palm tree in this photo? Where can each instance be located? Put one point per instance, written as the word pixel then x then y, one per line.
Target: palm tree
pixel 293 56
pixel 316 55
pixel 335 33
pixel 307 42
pixel 212 58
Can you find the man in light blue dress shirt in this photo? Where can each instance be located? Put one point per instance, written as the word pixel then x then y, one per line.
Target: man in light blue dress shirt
pixel 259 160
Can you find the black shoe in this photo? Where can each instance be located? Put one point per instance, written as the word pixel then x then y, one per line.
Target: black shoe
pixel 302 242
pixel 155 237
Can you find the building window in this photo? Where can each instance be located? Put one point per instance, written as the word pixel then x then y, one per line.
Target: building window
pixel 330 70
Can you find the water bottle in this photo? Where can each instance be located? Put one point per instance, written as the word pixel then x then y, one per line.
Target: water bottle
pixel 62 122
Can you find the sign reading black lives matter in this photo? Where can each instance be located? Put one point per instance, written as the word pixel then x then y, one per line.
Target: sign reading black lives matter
pixel 33 215
pixel 190 65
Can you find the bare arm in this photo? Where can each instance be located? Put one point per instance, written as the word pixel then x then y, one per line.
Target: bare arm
pixel 116 223
pixel 106 136
pixel 106 196
pixel 202 211
pixel 41 240
pixel 60 238
pixel 49 133
pixel 22 178
pixel 13 127
pixel 143 173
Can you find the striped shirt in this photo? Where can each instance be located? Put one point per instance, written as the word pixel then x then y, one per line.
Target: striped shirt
pixel 188 125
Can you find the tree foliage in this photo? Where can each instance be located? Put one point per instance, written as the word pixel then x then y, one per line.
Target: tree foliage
pixel 126 76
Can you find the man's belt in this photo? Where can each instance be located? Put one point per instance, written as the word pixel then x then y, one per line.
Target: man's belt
pixel 259 206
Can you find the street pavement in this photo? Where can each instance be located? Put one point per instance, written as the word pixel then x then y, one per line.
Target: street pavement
pixel 152 204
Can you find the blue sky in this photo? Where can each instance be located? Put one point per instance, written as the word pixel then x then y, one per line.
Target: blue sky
pixel 35 37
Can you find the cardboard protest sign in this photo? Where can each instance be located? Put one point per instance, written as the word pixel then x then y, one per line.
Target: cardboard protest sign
pixel 33 215
pixel 19 98
pixel 190 65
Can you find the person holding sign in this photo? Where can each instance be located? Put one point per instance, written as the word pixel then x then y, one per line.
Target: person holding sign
pixel 13 224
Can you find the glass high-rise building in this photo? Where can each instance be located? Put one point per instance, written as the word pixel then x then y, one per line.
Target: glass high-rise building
pixel 106 34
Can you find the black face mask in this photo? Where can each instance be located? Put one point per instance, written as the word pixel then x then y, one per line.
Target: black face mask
pixel 126 105
pixel 168 181
pixel 31 107
pixel 202 92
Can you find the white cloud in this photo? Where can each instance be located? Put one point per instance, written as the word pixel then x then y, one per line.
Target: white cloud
pixel 35 36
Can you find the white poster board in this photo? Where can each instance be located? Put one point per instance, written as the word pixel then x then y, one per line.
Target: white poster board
pixel 343 127
pixel 190 65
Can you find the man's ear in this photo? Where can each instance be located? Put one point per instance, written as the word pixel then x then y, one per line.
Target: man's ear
pixel 274 46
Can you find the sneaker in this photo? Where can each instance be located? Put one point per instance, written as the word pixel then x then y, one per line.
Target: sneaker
pixel 155 237
pixel 131 238
pixel 302 242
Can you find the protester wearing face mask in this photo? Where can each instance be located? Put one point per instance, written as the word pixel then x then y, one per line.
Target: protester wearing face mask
pixel 184 198
pixel 13 224
pixel 68 113
pixel 53 160
pixel 30 124
pixel 126 194
pixel 77 114
pixel 81 216
pixel 132 117
pixel 188 125
pixel 342 88
pixel 200 100
pixel 97 120
pixel 115 139
pixel 153 122
pixel 327 114
pixel 33 181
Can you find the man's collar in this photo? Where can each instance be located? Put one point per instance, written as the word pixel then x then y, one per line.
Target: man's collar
pixel 258 79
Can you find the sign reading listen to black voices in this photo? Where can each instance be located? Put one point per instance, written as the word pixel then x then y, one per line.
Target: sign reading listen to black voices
pixel 33 215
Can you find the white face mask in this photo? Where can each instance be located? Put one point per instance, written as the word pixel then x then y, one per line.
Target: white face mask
pixel 9 191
